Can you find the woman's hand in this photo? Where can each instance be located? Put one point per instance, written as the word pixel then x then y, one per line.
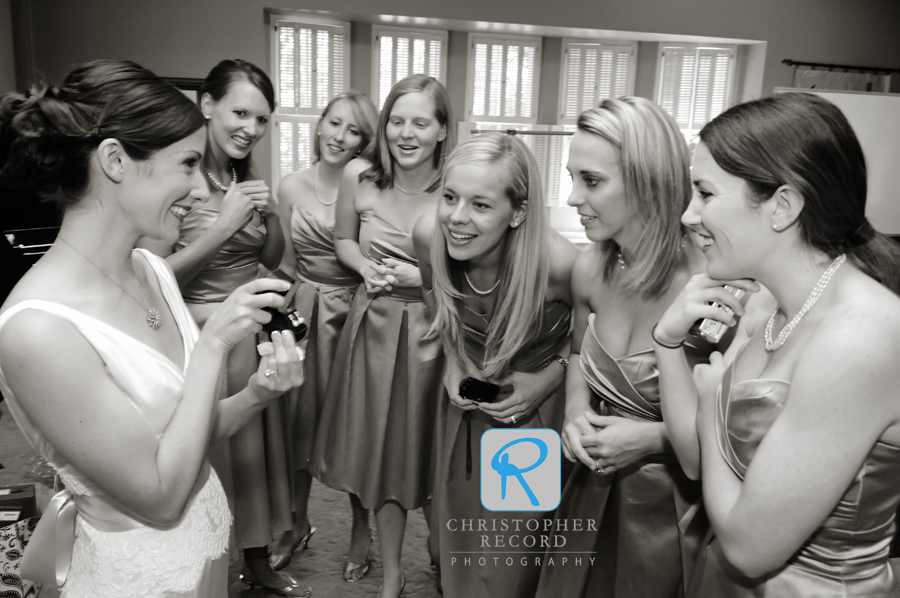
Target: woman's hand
pixel 618 441
pixel 454 374
pixel 278 372
pixel 577 425
pixel 695 303
pixel 529 391
pixel 235 209
pixel 242 313
pixel 260 197
pixel 373 275
pixel 707 378
pixel 401 274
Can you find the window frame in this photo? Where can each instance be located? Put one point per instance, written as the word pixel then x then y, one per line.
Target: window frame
pixel 298 115
pixel 506 40
pixel 564 70
pixel 440 35
pixel 730 88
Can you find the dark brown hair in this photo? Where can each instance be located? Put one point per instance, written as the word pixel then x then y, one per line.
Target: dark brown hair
pixel 805 141
pixel 47 137
pixel 216 85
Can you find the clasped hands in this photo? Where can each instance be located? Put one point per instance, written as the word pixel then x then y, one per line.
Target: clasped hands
pixel 241 200
pixel 607 444
pixel 383 277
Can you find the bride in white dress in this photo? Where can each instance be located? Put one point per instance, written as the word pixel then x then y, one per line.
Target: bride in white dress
pixel 101 364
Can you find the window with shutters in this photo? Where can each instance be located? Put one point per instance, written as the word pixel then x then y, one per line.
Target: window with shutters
pixel 503 78
pixel 592 72
pixel 694 84
pixel 312 65
pixel 401 52
pixel 550 150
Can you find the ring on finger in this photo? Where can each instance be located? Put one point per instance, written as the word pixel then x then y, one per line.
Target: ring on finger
pixel 599 467
pixel 269 373
pixel 513 418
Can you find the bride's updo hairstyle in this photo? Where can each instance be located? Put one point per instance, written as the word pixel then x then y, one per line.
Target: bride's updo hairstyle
pixel 805 141
pixel 47 137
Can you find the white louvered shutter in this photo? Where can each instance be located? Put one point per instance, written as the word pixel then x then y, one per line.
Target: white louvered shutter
pixel 713 72
pixel 401 53
pixel 594 72
pixel 503 79
pixel 694 84
pixel 312 67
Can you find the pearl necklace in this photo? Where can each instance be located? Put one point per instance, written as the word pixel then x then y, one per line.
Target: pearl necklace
pixel 316 187
pixel 477 291
pixel 217 183
pixel 154 320
pixel 810 302
pixel 416 192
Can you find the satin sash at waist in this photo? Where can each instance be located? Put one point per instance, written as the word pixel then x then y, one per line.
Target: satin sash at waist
pixel 49 552
pixel 408 294
pixel 320 279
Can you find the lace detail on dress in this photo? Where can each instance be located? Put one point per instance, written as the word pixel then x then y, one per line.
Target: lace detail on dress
pixel 116 564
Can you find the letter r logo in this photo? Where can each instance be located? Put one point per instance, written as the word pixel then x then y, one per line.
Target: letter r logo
pixel 520 469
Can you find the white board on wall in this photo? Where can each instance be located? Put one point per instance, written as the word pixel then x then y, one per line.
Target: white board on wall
pixel 875 117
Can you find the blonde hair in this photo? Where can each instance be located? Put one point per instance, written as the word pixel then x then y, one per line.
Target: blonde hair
pixel 524 264
pixel 655 165
pixel 382 170
pixel 364 115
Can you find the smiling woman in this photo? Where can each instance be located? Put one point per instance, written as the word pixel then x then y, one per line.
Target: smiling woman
pixel 501 283
pixel 385 373
pixel 102 364
pixel 222 243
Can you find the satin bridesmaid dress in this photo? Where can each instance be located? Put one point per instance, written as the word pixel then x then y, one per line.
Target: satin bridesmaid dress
pixel 254 463
pixel 847 556
pixel 376 434
pixel 649 521
pixel 457 493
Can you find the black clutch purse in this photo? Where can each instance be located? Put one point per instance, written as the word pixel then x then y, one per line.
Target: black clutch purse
pixel 288 319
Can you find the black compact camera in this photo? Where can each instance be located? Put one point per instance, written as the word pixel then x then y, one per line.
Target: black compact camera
pixel 288 319
pixel 473 389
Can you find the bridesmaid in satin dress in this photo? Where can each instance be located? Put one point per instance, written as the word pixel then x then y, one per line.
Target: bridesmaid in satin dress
pixel 631 183
pixel 501 282
pixel 306 202
pixel 799 423
pixel 376 432
pixel 222 243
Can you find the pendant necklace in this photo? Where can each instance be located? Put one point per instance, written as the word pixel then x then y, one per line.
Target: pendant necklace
pixel 771 345
pixel 154 320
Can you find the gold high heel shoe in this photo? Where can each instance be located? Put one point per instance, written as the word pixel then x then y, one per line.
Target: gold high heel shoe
pixel 402 584
pixel 279 562
pixel 353 572
pixel 294 589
